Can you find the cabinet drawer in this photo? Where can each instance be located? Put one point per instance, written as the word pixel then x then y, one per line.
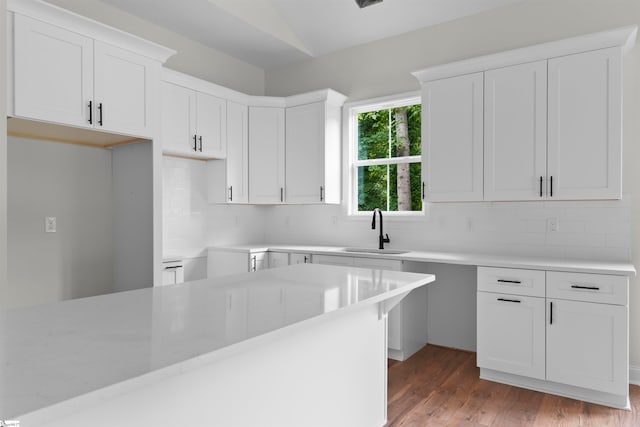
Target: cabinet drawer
pixel 600 288
pixel 511 281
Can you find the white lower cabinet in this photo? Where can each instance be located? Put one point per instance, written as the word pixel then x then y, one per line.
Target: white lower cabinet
pixel 299 258
pixel 278 259
pixel 511 334
pixel 224 262
pixel 569 338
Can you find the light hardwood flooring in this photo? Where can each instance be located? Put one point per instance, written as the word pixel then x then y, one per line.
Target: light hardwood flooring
pixel 441 387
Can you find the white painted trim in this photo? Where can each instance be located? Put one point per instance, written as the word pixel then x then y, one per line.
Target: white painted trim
pixel 267 101
pixel 329 96
pixel 624 38
pixel 200 85
pixel 72 21
pixel 592 396
pixel 634 375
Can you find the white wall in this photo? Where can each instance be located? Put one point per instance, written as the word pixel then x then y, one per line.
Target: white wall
pixel 190 224
pixel 132 175
pixel 73 184
pixel 603 230
pixel 192 57
pixel 3 160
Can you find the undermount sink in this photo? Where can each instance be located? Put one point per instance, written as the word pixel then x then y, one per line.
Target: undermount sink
pixel 375 251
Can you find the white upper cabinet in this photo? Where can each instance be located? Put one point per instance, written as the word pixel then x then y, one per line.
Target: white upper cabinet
pixel 123 90
pixel 452 137
pixel 305 135
pixel 267 155
pixel 53 73
pixel 313 151
pixel 228 179
pixel 178 119
pixel 515 132
pixel 552 122
pixel 237 164
pixel 193 122
pixel 211 124
pixel 585 125
pixel 64 76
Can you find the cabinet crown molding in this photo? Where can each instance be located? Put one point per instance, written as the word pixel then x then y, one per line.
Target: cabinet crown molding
pixel 58 16
pixel 194 83
pixel 623 37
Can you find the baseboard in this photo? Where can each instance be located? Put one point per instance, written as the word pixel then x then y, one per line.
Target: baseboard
pixel 634 375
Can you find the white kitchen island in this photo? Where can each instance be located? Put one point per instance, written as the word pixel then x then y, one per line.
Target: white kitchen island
pixel 303 345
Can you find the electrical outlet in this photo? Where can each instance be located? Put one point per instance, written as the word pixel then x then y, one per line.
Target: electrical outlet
pixel 50 224
pixel 553 225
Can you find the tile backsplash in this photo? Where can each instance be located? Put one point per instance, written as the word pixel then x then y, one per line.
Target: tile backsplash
pixel 585 229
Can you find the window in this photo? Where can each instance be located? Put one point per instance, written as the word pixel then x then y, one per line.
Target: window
pixel 385 155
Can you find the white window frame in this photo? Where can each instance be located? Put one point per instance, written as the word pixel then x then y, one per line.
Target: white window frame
pixel 350 136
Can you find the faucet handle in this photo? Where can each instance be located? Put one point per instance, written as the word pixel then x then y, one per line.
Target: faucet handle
pixel 386 238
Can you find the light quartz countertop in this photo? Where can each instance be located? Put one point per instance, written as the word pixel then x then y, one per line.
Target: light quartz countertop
pixel 55 356
pixel 461 258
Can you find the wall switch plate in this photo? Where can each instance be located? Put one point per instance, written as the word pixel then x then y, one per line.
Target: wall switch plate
pixel 50 224
pixel 553 225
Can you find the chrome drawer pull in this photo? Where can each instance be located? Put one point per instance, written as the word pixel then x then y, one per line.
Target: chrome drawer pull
pixel 517 282
pixel 591 288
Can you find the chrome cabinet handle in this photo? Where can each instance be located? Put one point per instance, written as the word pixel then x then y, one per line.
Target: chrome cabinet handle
pixel 90 112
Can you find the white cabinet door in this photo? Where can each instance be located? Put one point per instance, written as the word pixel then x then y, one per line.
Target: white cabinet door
pixel 224 263
pixel 211 125
pixel 258 261
pixel 178 119
pixel 333 260
pixel 585 125
pixel 237 163
pixel 452 115
pixel 123 90
pixel 305 154
pixel 511 334
pixel 266 155
pixel 587 345
pixel 295 258
pixel 53 73
pixel 515 132
pixel 278 259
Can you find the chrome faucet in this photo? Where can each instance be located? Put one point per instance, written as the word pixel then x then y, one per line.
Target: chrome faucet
pixel 381 240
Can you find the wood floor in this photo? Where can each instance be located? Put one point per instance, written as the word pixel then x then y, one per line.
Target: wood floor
pixel 441 387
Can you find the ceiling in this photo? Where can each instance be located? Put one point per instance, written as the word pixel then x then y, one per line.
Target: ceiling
pixel 272 33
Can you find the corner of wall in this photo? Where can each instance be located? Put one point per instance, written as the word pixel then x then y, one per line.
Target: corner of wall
pixel 3 158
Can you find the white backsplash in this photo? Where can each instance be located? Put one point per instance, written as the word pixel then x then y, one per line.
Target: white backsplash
pixel 593 230
pixel 586 229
